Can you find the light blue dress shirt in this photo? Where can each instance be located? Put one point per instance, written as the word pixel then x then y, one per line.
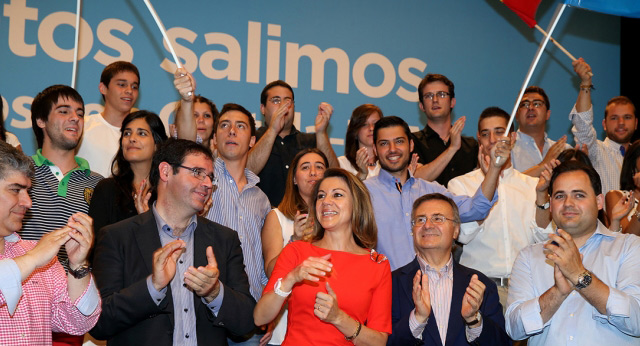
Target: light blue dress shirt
pixel 184 332
pixel 525 153
pixel 393 212
pixel 612 257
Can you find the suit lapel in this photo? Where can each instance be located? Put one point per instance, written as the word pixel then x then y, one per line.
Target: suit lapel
pixel 148 241
pixel 456 323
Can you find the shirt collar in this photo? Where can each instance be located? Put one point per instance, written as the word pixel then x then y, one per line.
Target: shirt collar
pixel 164 227
pixel 12 238
pixel 39 160
pixel 221 168
pixel 447 269
pixel 521 136
pixel 387 179
pixel 612 144
pixel 429 132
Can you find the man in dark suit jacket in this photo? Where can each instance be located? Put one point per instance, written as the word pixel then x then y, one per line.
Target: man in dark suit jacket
pixel 437 301
pixel 167 276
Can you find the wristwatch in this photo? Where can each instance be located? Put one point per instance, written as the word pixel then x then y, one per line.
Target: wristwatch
pixel 584 280
pixel 544 206
pixel 477 319
pixel 79 272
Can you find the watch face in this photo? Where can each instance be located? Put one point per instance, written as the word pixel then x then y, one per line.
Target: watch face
pixel 584 280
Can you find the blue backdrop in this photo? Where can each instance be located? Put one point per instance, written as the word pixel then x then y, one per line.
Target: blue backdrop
pixel 342 52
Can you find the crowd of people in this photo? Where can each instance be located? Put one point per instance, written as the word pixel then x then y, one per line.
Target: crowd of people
pixel 222 233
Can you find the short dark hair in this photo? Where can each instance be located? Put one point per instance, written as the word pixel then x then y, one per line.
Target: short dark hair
pixel 538 90
pixel 436 197
pixel 275 83
pixel 390 121
pixel 173 152
pixel 574 154
pixel 116 67
pixel 434 77
pixel 43 104
pixel 235 107
pixel 358 120
pixel 13 160
pixel 490 112
pixel 573 166
pixel 629 167
pixel 619 100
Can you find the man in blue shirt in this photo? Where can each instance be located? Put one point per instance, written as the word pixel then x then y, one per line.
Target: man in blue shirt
pixel 583 285
pixel 394 190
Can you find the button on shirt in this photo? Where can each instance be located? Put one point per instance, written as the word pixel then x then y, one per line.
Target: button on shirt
pixel 605 156
pixel 612 257
pixel 274 174
pixel 393 212
pixel 184 332
pixel 243 211
pixel 491 247
pixel 525 153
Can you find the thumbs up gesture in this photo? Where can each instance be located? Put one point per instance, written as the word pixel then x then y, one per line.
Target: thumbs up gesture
pixel 204 280
pixel 326 307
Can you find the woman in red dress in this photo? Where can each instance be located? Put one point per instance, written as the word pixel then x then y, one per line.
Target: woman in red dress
pixel 337 287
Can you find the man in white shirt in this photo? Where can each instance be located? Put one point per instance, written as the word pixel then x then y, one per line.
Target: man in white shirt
pixel 582 287
pixel 491 245
pixel 533 149
pixel 119 85
pixel 619 123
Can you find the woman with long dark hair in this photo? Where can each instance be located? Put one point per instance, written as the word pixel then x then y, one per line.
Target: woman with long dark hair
pixel 621 206
pixel 359 158
pixel 126 192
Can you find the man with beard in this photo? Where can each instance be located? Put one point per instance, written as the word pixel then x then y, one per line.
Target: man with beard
pixel 619 123
pixel 63 183
pixel 394 190
pixel 582 286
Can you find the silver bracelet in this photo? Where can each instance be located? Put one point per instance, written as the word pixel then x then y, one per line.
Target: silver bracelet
pixel 278 291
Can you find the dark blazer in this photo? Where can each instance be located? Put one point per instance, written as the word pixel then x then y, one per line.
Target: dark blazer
pixel 122 263
pixel 493 332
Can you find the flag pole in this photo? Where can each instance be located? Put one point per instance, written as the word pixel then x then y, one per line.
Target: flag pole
pixel 564 50
pixel 164 32
pixel 76 45
pixel 534 63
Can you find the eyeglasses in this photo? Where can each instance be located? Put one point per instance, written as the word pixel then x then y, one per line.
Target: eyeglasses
pixel 199 173
pixel 439 94
pixel 536 104
pixel 436 219
pixel 276 100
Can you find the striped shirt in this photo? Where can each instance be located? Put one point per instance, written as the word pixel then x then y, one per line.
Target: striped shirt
pixel 56 196
pixel 440 294
pixel 243 211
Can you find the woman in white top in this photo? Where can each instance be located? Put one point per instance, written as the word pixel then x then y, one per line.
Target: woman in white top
pixel 622 205
pixel 288 222
pixel 359 157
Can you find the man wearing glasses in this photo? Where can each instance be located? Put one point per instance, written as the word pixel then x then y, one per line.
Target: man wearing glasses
pixel 533 149
pixel 279 140
pixel 436 300
pixel 168 276
pixel 439 141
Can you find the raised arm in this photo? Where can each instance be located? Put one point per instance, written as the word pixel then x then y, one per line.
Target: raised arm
pixel 185 122
pixel 432 170
pixel 322 137
pixel 259 154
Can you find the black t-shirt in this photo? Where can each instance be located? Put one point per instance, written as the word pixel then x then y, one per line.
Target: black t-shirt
pixel 273 176
pixel 428 145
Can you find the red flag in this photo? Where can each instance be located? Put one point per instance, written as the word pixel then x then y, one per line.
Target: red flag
pixel 525 9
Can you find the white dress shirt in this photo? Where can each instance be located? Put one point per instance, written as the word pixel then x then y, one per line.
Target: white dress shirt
pixel 605 156
pixel 491 247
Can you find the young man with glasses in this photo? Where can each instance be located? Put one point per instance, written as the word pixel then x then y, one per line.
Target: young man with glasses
pixel 279 140
pixel 440 142
pixel 437 301
pixel 168 276
pixel 533 149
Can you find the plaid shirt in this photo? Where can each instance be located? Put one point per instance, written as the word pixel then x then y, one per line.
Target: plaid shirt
pixel 31 310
